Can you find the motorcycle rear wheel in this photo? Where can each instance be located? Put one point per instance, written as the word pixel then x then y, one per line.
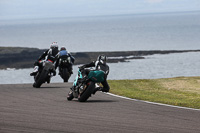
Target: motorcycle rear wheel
pixel 70 96
pixel 65 74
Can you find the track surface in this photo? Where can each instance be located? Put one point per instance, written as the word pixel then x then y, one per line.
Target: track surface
pixel 46 110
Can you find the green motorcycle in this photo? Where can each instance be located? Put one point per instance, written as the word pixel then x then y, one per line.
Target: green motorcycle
pixel 84 85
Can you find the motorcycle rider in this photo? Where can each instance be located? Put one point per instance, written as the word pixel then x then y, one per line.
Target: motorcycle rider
pixel 64 54
pixel 50 55
pixel 101 65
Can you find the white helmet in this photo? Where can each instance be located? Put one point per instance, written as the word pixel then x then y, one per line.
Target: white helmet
pixel 54 45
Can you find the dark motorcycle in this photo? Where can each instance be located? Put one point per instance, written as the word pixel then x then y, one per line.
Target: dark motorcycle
pixel 65 66
pixel 44 74
pixel 84 86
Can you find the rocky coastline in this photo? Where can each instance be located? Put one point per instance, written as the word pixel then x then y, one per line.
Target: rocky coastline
pixel 21 57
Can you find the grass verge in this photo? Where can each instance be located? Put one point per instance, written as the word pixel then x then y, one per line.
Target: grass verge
pixel 179 91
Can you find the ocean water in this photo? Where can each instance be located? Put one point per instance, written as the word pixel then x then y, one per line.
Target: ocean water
pixel 173 31
pixel 153 67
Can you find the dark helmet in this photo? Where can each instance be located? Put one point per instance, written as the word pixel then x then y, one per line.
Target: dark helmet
pixel 62 48
pixel 102 59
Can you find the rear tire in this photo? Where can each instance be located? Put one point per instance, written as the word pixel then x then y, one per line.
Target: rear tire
pixel 70 96
pixel 87 93
pixel 65 74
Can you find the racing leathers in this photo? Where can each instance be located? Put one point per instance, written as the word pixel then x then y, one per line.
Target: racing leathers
pixel 102 67
pixel 49 55
pixel 63 54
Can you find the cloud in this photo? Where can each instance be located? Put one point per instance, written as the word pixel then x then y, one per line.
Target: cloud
pixel 154 1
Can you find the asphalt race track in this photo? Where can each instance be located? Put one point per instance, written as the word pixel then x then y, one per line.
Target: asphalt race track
pixel 24 109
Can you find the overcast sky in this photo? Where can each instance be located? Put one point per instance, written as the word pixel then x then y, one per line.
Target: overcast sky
pixel 16 9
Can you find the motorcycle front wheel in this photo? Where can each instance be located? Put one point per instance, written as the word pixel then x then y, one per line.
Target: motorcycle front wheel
pixel 87 92
pixel 41 79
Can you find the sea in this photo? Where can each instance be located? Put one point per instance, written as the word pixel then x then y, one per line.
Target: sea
pixel 131 32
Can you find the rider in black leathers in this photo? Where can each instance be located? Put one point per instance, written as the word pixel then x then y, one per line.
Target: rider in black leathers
pixel 101 65
pixel 50 55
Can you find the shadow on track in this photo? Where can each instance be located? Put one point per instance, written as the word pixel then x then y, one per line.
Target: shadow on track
pixel 48 87
pixel 100 101
pixel 94 101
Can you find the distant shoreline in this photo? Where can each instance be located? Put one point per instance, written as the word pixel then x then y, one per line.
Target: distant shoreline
pixel 21 57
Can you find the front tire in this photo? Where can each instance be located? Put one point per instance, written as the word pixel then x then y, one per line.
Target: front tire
pixel 41 79
pixel 87 93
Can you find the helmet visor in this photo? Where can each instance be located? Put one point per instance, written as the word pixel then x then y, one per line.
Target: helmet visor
pixel 103 59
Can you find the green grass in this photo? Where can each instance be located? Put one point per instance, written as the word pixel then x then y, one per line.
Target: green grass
pixel 180 91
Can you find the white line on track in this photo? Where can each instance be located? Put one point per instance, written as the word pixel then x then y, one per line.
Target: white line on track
pixel 152 102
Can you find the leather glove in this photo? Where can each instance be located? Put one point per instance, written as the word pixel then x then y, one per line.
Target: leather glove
pixel 81 68
pixel 36 63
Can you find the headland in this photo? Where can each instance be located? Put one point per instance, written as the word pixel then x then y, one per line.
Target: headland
pixel 22 57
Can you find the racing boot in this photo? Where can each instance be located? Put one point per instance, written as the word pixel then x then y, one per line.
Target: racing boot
pixel 97 89
pixel 48 80
pixel 70 71
pixel 54 72
pixel 35 71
